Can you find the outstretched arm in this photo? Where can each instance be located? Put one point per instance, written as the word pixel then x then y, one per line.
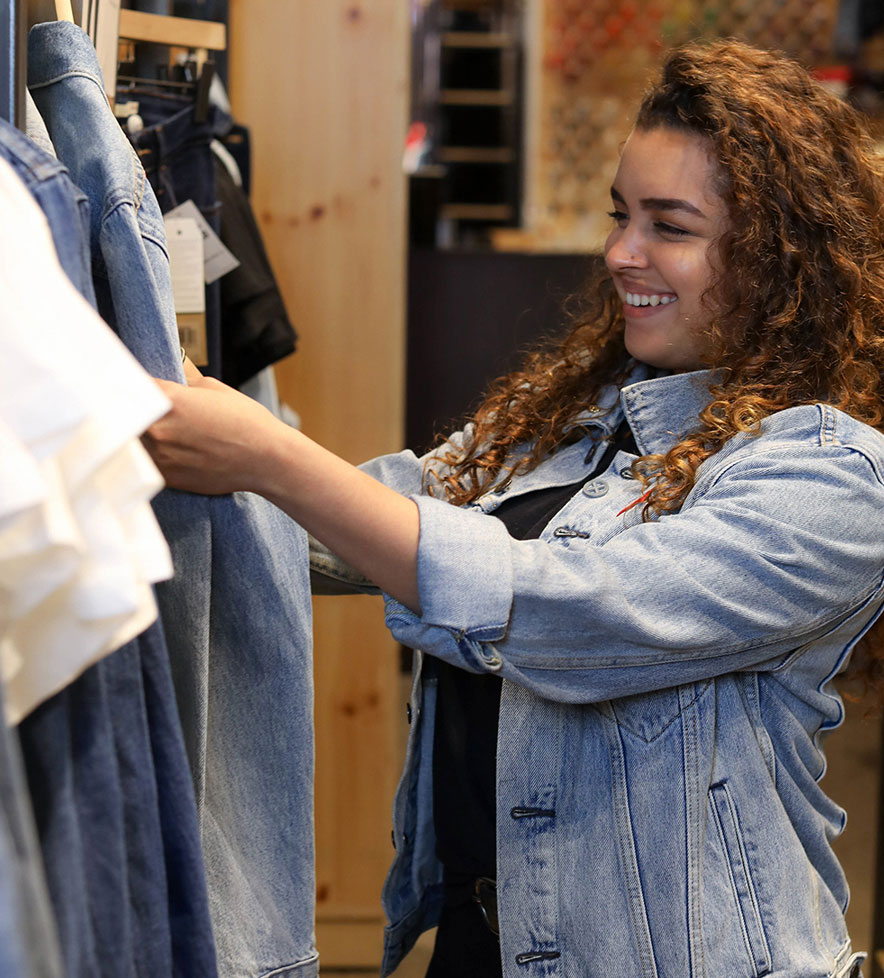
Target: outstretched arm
pixel 216 440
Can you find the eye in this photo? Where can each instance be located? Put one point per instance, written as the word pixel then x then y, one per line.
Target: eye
pixel 672 229
pixel 619 217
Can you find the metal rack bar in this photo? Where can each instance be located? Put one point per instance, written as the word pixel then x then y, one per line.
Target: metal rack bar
pixel 13 61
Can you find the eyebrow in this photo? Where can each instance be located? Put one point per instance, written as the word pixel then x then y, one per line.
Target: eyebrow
pixel 661 203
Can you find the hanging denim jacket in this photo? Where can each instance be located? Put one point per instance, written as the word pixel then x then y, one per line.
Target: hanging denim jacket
pixel 667 687
pixel 104 757
pixel 237 615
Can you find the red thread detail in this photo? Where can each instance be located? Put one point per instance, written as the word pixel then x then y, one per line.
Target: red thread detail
pixel 635 502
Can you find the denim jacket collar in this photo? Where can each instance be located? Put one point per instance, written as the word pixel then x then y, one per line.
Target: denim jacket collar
pixel 661 410
pixel 658 409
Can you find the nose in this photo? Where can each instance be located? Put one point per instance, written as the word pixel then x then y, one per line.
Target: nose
pixel 625 249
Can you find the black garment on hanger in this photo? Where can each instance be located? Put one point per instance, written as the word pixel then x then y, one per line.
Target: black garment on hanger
pixel 255 328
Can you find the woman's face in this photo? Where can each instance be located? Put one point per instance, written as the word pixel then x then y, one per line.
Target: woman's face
pixel 661 252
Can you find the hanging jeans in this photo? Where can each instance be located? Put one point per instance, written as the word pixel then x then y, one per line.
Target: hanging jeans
pixel 104 759
pixel 237 615
pixel 174 151
pixel 28 936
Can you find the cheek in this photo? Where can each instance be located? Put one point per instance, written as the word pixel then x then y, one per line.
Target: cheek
pixel 693 273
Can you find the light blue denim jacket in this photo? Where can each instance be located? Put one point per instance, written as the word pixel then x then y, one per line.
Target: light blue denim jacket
pixel 666 690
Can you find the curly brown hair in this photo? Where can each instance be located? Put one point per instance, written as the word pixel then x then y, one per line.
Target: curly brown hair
pixel 799 309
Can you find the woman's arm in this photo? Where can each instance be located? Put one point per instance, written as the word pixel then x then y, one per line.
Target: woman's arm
pixel 216 440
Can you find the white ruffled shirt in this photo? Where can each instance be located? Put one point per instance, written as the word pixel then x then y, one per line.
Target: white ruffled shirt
pixel 79 544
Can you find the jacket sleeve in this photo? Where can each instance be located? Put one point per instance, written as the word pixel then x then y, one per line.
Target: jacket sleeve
pixel 772 552
pixel 402 471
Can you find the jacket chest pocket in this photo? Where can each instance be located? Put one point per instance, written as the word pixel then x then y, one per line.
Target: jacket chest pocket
pixel 647 716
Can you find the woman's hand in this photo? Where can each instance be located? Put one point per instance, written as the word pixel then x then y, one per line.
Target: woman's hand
pixel 214 440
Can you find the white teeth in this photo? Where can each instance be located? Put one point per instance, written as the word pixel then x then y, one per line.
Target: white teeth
pixel 641 299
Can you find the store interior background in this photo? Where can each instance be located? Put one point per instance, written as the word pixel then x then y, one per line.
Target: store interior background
pixel 410 291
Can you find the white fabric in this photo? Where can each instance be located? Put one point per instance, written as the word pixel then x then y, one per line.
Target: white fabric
pixel 79 544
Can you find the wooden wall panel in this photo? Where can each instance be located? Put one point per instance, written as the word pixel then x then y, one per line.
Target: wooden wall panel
pixel 323 86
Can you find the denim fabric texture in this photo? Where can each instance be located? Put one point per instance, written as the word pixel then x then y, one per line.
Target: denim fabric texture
pixel 103 756
pixel 28 934
pixel 64 204
pixel 667 689
pixel 237 615
pixel 130 265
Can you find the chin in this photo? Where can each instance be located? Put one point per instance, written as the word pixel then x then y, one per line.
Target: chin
pixel 653 358
pixel 665 359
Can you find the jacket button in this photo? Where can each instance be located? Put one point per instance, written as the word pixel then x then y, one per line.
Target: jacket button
pixel 595 489
pixel 408 712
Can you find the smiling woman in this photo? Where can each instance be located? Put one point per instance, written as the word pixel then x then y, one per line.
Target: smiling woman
pixel 660 253
pixel 639 795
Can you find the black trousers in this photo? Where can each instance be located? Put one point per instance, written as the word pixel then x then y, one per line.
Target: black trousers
pixel 465 947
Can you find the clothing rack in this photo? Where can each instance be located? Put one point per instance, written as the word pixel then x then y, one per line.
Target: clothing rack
pixel 101 25
pixel 13 27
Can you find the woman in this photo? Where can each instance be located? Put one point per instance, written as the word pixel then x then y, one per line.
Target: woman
pixel 664 539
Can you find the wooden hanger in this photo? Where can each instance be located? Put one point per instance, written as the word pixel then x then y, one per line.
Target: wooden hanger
pixel 45 11
pixel 63 10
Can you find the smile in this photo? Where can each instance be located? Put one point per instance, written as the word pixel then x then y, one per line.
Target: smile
pixel 636 299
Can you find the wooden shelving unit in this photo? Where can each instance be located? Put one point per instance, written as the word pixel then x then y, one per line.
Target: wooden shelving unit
pixel 469 92
pixel 476 96
pixel 476 39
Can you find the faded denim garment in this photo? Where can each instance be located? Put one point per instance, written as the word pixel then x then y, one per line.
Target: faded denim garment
pixel 105 758
pixel 63 203
pixel 237 615
pixel 667 688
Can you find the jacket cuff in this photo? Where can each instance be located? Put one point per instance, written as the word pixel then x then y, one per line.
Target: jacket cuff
pixel 464 570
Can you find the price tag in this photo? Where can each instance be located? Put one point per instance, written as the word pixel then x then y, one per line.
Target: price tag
pixel 219 260
pixel 186 264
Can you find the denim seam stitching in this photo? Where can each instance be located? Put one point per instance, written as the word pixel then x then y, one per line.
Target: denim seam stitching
pixel 139 182
pixel 842 951
pixel 288 967
pixel 649 660
pixel 659 734
pixel 730 875
pixel 817 923
pixel 706 484
pixel 739 841
pixel 693 831
pixel 638 915
pixel 73 73
pixel 829 425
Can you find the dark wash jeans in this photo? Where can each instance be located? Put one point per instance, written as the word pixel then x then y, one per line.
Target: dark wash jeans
pixel 110 784
pixel 237 615
pixel 175 152
pixel 28 933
